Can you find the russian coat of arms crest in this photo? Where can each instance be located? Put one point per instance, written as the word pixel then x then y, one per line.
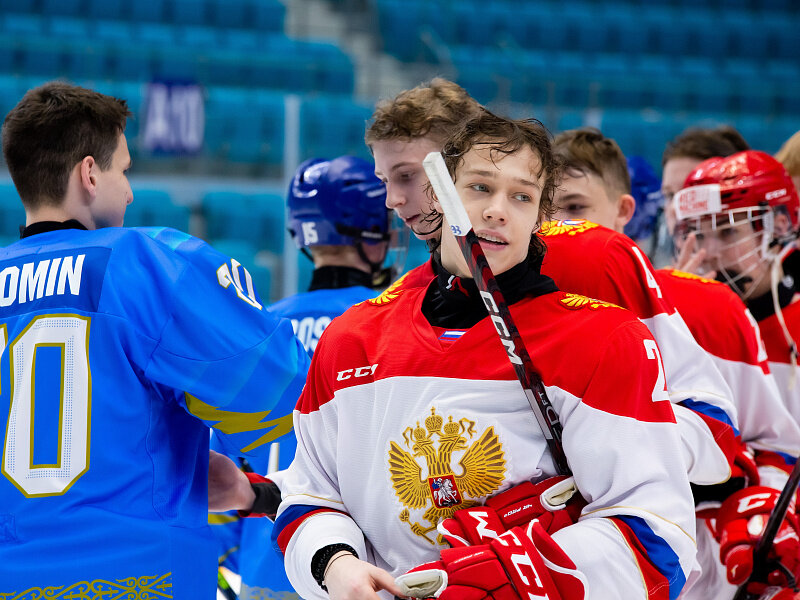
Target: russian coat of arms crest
pixel 436 482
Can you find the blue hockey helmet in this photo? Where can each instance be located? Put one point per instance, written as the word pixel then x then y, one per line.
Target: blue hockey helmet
pixel 646 190
pixel 337 202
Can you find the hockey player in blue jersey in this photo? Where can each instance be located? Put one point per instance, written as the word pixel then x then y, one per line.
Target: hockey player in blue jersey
pixel 120 348
pixel 338 217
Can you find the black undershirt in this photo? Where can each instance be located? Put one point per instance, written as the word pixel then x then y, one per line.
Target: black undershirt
pixel 334 278
pixel 763 306
pixel 454 302
pixel 45 226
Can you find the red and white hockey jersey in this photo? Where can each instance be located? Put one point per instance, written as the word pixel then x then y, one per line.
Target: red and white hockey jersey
pixel 722 325
pixel 596 261
pixel 397 431
pixel 778 357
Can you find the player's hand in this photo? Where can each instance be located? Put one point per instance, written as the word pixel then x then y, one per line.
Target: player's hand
pixel 349 578
pixel 228 486
pixel 554 502
pixel 740 524
pixel 691 258
pixel 520 564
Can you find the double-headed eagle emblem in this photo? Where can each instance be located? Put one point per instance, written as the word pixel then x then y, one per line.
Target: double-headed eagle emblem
pixel 483 468
pixel 566 226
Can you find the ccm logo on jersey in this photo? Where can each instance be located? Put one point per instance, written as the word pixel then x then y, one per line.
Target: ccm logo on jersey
pixel 357 372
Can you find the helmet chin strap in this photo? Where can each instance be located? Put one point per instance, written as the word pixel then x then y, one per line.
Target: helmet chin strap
pixel 381 277
pixel 776 272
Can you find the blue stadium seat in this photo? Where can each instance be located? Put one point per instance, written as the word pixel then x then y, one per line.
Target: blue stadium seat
pixel 107 9
pixel 61 7
pixel 151 207
pixel 11 91
pixel 189 12
pixel 322 136
pixel 18 6
pixel 7 240
pixel 781 129
pixel 176 64
pixel 241 39
pixel 130 61
pixel 12 215
pixel 41 57
pixel 158 34
pixel 68 27
pixel 569 119
pixel 418 253
pixel 267 15
pixel 152 11
pixel 85 60
pixel 230 13
pixel 197 36
pixel 271 209
pixel 253 218
pixel 112 31
pixel 630 34
pixel 22 24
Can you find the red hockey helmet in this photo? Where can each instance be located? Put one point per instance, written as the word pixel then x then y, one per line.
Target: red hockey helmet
pixel 742 210
pixel 749 179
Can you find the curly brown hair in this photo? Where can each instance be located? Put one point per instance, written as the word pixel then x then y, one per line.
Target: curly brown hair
pixel 51 130
pixel 431 109
pixel 503 137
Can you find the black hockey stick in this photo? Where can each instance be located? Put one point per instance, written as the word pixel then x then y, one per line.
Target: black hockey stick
pixel 496 305
pixel 761 552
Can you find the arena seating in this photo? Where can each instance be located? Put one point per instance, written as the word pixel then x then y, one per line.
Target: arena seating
pixel 642 70
pixel 682 59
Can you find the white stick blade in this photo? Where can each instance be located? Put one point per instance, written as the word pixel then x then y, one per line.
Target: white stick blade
pixel 446 193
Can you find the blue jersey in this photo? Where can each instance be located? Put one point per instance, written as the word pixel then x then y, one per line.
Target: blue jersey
pixel 311 312
pixel 120 348
pixel 261 569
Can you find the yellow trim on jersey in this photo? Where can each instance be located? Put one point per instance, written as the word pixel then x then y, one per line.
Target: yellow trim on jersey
pixel 144 586
pixel 685 275
pixel 57 464
pixel 228 421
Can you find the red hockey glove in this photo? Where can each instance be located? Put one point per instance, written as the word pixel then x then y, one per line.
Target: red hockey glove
pixel 554 502
pixel 517 565
pixel 744 473
pixel 740 523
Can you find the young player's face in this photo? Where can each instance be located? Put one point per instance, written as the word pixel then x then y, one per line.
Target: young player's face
pixel 584 196
pixel 398 163
pixel 114 192
pixel 733 251
pixel 501 197
pixel 676 170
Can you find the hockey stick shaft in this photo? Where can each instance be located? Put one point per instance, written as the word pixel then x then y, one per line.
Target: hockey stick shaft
pixel 496 306
pixel 224 587
pixel 764 544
